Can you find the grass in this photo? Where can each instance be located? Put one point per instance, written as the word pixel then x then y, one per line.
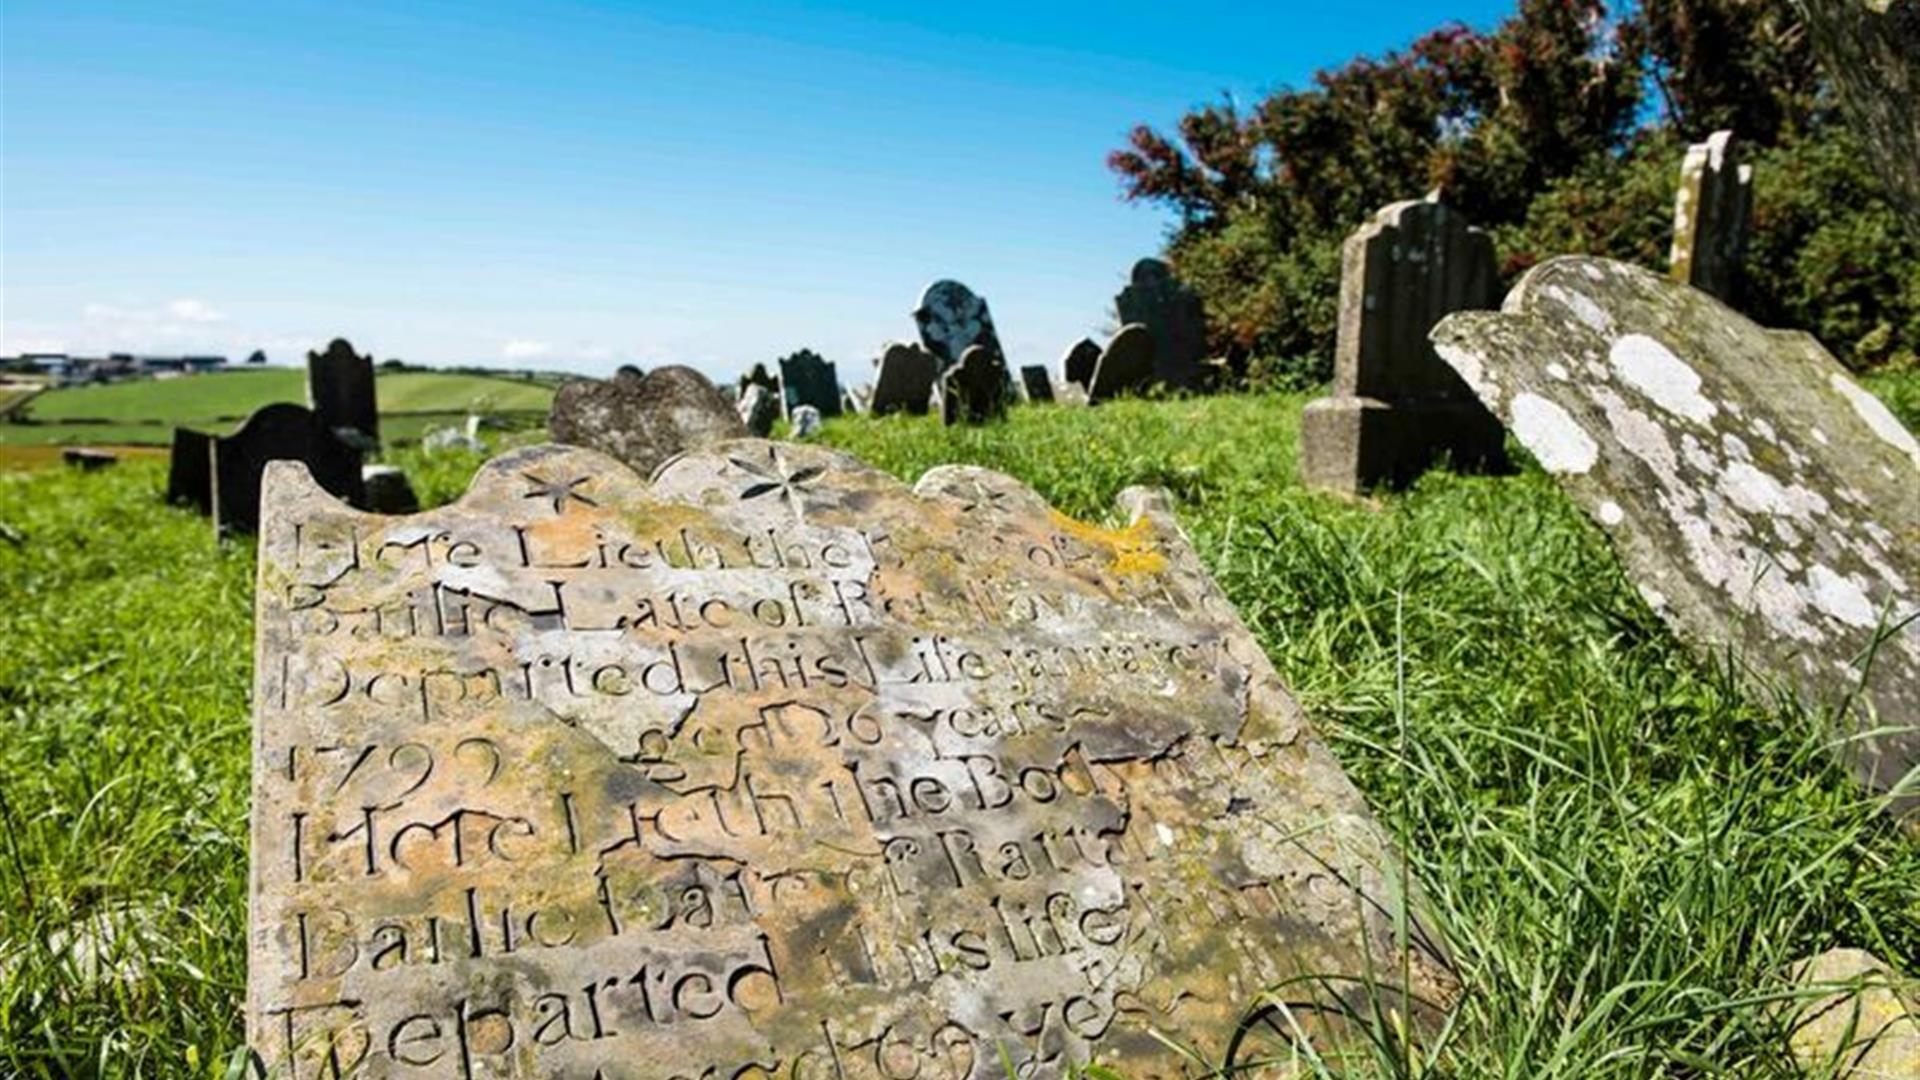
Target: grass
pixel 146 411
pixel 1625 850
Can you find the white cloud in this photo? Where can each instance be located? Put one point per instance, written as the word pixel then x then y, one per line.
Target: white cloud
pixel 519 349
pixel 195 311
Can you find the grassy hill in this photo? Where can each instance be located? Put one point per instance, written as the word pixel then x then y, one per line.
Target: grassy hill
pixel 1624 849
pixel 147 411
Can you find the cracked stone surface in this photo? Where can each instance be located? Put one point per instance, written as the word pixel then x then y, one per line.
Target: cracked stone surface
pixel 776 766
pixel 1758 496
pixel 643 420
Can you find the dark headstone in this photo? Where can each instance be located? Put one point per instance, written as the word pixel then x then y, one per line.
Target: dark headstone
pixel 87 459
pixel 190 470
pixel 644 420
pixel 340 392
pixel 953 319
pixel 975 391
pixel 278 433
pixel 808 379
pixel 759 376
pixel 388 490
pixel 1396 407
pixel 1079 362
pixel 1125 365
pixel 758 408
pixel 1710 211
pixel 905 381
pixel 1035 383
pixel 1173 314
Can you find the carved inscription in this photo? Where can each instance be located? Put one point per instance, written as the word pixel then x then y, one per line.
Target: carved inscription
pixel 775 767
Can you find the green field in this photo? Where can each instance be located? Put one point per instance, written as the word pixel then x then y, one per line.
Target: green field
pixel 146 411
pixel 1624 850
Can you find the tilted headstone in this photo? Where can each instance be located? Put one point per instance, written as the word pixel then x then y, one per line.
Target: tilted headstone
pixel 1173 314
pixel 340 392
pixel 190 470
pixel 1035 383
pixel 643 420
pixel 758 408
pixel 952 319
pixel 1396 408
pixel 905 380
pixel 1871 51
pixel 776 767
pixel 1710 212
pixel 1125 366
pixel 387 490
pixel 1760 498
pixel 975 390
pixel 807 379
pixel 279 432
pixel 1078 363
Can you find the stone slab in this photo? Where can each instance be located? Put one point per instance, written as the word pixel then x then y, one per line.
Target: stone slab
pixel 1711 207
pixel 1035 384
pixel 1078 362
pixel 643 419
pixel 773 766
pixel 1759 497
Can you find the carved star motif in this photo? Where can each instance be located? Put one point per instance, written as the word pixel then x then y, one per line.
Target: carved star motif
pixel 774 476
pixel 557 492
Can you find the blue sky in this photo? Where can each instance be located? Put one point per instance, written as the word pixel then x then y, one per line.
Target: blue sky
pixel 585 185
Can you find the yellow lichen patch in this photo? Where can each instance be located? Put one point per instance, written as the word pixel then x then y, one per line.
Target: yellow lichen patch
pixel 1133 548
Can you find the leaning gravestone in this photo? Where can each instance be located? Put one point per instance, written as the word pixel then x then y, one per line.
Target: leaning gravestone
pixel 1035 384
pixel 1125 366
pixel 775 767
pixel 1710 212
pixel 952 319
pixel 758 408
pixel 1173 314
pixel 340 392
pixel 905 380
pixel 975 391
pixel 1080 360
pixel 1871 51
pixel 277 433
pixel 807 379
pixel 643 420
pixel 1759 497
pixel 1396 408
pixel 190 470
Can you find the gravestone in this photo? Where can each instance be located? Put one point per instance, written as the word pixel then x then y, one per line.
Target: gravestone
pixel 758 407
pixel 1396 408
pixel 975 391
pixel 1125 366
pixel 1710 212
pixel 190 470
pixel 807 379
pixel 905 380
pixel 1035 383
pixel 1079 362
pixel 776 767
pixel 759 376
pixel 387 490
pixel 1871 51
pixel 279 432
pixel 87 459
pixel 1760 498
pixel 340 392
pixel 643 420
pixel 805 423
pixel 1173 314
pixel 953 319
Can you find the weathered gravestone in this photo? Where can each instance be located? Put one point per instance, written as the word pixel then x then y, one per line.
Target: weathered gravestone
pixel 807 379
pixel 1871 51
pixel 1173 314
pixel 1759 497
pixel 190 470
pixel 975 391
pixel 277 433
pixel 1710 212
pixel 805 423
pixel 1125 366
pixel 643 420
pixel 340 392
pixel 952 319
pixel 1079 361
pixel 1035 383
pixel 905 380
pixel 1396 408
pixel 758 407
pixel 774 766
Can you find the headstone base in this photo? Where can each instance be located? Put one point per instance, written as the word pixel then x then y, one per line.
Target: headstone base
pixel 1351 444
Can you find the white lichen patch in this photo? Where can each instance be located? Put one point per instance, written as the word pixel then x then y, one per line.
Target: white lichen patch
pixel 1875 414
pixel 1553 435
pixel 1610 513
pixel 1840 597
pixel 1666 380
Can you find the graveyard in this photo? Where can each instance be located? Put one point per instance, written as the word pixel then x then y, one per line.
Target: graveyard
pixel 1447 607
